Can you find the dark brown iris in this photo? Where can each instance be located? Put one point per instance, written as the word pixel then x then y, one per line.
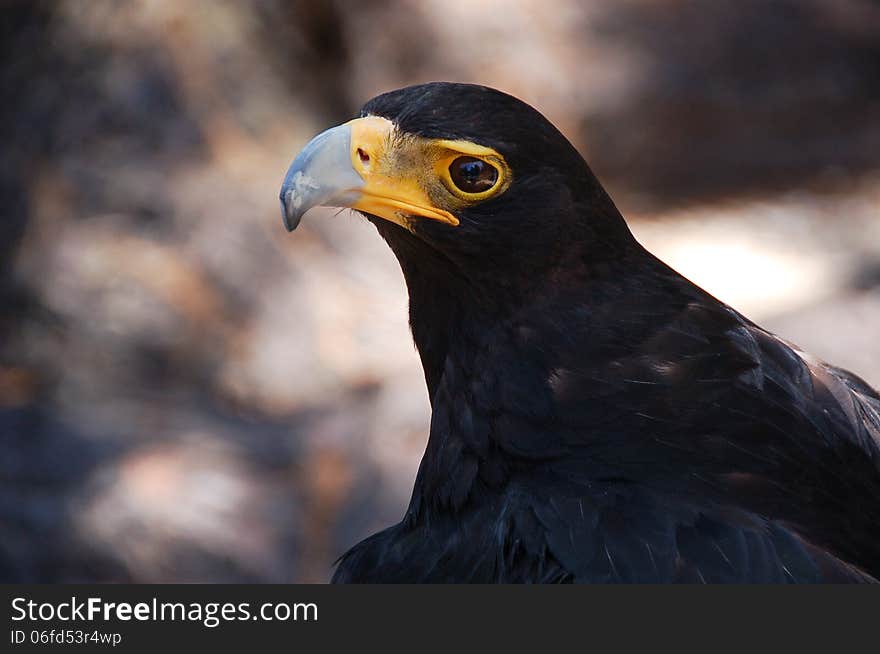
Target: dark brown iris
pixel 472 175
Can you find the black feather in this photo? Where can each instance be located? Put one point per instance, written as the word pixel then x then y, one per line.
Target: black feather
pixel 597 417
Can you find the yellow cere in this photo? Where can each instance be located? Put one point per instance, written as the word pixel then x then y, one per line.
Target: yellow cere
pixel 406 175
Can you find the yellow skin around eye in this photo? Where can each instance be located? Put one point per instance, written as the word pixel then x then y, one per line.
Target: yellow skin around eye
pixel 407 176
pixel 456 149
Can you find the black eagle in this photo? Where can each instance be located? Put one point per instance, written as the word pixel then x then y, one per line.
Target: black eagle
pixel 596 417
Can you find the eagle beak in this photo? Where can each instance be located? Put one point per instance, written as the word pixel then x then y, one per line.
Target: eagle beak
pixel 353 165
pixel 321 175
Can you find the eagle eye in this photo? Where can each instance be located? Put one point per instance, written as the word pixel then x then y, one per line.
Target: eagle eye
pixel 472 175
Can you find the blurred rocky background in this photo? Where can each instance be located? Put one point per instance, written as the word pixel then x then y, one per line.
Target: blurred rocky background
pixel 187 393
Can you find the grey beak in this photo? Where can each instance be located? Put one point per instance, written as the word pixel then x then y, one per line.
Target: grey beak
pixel 320 176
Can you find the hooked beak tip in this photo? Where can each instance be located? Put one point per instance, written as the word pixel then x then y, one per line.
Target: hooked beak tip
pixel 289 216
pixel 321 175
